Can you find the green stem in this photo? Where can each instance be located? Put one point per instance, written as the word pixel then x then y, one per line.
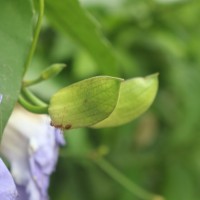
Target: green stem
pixel 32 108
pixel 32 82
pixel 32 98
pixel 36 35
pixel 124 181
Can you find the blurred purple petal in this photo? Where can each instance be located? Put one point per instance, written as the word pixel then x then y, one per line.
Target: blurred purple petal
pixel 1 97
pixel 59 137
pixel 23 195
pixel 7 187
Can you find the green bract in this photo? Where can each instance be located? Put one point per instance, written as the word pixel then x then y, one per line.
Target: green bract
pixel 102 102
pixel 136 95
pixel 84 103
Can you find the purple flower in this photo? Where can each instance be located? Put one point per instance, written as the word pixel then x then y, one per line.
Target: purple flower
pixel 32 146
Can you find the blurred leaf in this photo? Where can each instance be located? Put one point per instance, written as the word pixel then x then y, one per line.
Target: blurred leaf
pixel 69 17
pixel 136 95
pixel 15 41
pixel 180 182
pixel 84 103
pixel 84 59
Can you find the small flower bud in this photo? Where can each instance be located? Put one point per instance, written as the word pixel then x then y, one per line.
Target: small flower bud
pixel 52 71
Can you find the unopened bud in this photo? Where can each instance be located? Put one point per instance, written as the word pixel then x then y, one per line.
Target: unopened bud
pixel 52 71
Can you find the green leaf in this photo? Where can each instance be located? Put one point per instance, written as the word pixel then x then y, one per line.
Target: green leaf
pixel 84 103
pixel 15 41
pixel 69 17
pixel 136 95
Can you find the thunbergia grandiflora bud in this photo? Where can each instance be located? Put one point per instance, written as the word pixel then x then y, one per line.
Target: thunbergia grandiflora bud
pixel 31 146
pixel 8 189
pixel 102 101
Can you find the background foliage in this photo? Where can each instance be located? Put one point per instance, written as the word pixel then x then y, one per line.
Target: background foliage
pixel 160 150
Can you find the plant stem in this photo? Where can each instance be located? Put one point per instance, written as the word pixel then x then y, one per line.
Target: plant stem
pixel 31 82
pixel 33 99
pixel 36 35
pixel 124 181
pixel 32 108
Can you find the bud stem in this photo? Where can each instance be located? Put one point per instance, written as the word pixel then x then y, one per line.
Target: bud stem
pixel 36 35
pixel 33 108
pixel 32 98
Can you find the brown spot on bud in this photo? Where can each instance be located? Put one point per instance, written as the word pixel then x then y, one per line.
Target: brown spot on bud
pixel 68 126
